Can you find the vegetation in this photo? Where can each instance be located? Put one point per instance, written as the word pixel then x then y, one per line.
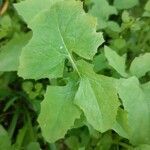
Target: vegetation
pixel 75 75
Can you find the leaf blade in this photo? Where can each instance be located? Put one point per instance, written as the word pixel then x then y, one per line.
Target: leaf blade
pixel 97 98
pixel 58 110
pixel 67 28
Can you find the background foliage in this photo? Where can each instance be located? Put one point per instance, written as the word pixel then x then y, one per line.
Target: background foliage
pixel 75 74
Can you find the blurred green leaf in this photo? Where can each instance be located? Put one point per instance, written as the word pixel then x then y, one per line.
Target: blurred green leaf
pixel 5 143
pixel 125 4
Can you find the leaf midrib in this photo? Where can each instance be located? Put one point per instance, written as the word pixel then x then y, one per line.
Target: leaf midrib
pixel 65 46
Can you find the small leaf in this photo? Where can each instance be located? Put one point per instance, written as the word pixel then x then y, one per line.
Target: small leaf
pixel 58 112
pixel 125 4
pixel 113 26
pixel 97 97
pixel 58 32
pixel 116 61
pixel 140 65
pixel 102 10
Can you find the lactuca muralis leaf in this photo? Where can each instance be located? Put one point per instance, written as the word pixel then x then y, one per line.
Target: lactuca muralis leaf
pixel 137 104
pixel 58 112
pixel 10 53
pixel 29 9
pixel 97 97
pixel 58 32
pixel 102 10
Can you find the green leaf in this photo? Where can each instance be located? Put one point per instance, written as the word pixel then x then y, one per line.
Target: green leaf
pixel 142 147
pixel 125 4
pixel 147 6
pixel 1 2
pixel 140 65
pixel 146 14
pixel 72 142
pixel 146 89
pixel 100 62
pixel 113 26
pixel 116 61
pixel 5 26
pixel 105 142
pixel 5 143
pixel 21 137
pixel 10 53
pixel 102 10
pixel 121 126
pixel 33 146
pixel 138 108
pixel 29 9
pixel 58 112
pixel 58 32
pixel 97 97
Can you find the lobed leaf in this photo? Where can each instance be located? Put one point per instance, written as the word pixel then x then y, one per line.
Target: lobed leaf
pixel 58 32
pixel 97 97
pixel 58 112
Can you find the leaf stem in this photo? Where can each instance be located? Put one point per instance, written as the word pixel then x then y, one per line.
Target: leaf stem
pixel 74 65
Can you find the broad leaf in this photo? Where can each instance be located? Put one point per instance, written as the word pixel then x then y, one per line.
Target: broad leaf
pixel 29 9
pixel 102 10
pixel 58 112
pixel 140 65
pixel 125 4
pixel 58 32
pixel 116 61
pixel 10 53
pixel 137 105
pixel 97 97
